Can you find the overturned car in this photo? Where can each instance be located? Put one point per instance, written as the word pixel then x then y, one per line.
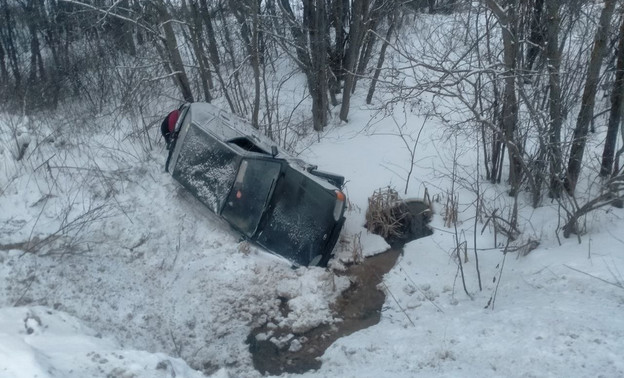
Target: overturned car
pixel 272 199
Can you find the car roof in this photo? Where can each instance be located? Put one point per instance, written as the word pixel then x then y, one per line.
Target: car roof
pixel 228 128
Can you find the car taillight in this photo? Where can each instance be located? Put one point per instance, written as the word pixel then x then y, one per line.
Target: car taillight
pixel 340 204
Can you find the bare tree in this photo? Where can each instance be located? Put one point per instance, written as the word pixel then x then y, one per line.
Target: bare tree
pixel 248 15
pixel 517 115
pixel 196 37
pixel 171 47
pixel 589 98
pixel 309 40
pixel 8 36
pixel 507 18
pixel 394 21
pixel 338 19
pixel 212 41
pixel 359 12
pixel 37 69
pixel 167 43
pixel 536 33
pixel 615 113
pixel 4 73
pixel 554 132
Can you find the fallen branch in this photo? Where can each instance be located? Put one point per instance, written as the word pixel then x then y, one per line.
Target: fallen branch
pixel 613 194
pixel 616 284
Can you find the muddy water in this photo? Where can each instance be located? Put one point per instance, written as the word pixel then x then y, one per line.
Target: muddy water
pixel 359 307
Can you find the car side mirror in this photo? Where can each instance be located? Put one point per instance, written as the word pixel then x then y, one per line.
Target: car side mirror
pixel 274 151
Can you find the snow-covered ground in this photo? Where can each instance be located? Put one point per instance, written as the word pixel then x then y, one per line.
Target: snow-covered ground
pixel 130 277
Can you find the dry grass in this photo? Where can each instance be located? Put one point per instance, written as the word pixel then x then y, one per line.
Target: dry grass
pixel 385 216
pixel 450 210
pixel 356 249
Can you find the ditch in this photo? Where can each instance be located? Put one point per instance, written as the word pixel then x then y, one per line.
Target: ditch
pixel 359 307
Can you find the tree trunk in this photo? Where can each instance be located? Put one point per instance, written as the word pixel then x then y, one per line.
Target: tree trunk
pixel 37 70
pixel 240 108
pixel 314 20
pixel 368 43
pixel 4 73
pixel 508 20
pixel 339 12
pixel 122 30
pixel 312 63
pixel 431 6
pixel 318 46
pixel 213 54
pixel 53 27
pixel 242 11
pixel 379 10
pixel 255 62
pixel 615 115
pixel 11 50
pixel 171 46
pixel 589 98
pixel 495 162
pixel 536 36
pixel 393 20
pixel 196 30
pixel 212 42
pixel 554 133
pixel 356 31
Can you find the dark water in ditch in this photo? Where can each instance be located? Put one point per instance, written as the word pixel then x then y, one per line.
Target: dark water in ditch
pixel 359 307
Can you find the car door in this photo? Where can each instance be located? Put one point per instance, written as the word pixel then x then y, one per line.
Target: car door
pixel 250 194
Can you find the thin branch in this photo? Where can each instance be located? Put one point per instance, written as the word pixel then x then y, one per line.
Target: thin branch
pixel 616 284
pixel 107 12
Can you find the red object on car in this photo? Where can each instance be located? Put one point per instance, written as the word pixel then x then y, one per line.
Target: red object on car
pixel 173 118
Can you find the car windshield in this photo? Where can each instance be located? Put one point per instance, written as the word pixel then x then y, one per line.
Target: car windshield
pixel 250 194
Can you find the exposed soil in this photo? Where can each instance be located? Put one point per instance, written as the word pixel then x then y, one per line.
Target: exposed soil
pixel 359 307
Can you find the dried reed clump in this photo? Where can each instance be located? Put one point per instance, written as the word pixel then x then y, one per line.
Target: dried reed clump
pixel 386 213
pixel 450 210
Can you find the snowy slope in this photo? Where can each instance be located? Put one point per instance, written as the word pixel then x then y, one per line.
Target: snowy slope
pixel 40 342
pixel 153 284
pixel 558 311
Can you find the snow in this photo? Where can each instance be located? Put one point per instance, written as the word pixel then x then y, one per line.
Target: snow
pixel 109 268
pixel 154 283
pixel 41 342
pixel 548 321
